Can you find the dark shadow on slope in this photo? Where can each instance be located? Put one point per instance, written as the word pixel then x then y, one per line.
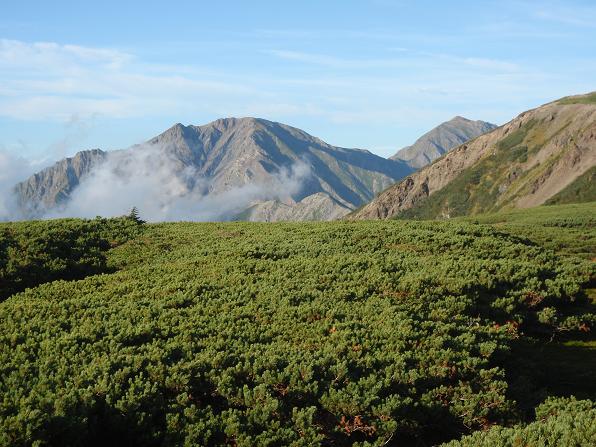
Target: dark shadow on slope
pixel 36 252
pixel 357 192
pixel 537 369
pixel 356 157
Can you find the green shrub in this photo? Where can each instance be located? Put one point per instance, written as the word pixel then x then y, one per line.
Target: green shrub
pixel 560 423
pixel 32 253
pixel 343 333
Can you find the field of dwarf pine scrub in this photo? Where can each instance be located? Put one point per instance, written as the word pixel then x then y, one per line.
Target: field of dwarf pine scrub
pixel 476 332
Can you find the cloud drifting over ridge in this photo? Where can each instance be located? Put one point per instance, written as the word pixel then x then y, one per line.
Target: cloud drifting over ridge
pixel 148 178
pixel 13 169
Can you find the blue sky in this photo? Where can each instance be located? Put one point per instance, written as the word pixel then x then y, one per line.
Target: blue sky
pixel 374 74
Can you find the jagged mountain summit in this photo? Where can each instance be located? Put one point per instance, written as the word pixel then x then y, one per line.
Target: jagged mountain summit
pixel 441 140
pixel 53 185
pixel 545 154
pixel 246 168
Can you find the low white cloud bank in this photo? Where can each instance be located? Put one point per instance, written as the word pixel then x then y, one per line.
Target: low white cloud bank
pixel 163 190
pixel 13 169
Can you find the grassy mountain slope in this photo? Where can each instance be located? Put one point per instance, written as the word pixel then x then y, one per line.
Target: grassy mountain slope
pixel 566 229
pixel 387 332
pixel 590 98
pixel 521 164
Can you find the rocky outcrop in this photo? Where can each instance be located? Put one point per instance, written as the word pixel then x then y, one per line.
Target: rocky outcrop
pixel 319 206
pixel 53 186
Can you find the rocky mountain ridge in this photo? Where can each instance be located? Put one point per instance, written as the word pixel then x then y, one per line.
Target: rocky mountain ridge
pixel 518 165
pixel 53 186
pixel 279 164
pixel 441 140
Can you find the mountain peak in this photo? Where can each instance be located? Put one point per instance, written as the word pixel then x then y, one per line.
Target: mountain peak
pixel 459 118
pixel 233 121
pixel 239 162
pixel 221 124
pixel 532 159
pixel 441 140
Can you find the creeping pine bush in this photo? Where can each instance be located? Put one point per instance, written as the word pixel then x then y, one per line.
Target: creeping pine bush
pixel 32 253
pixel 560 423
pixel 369 333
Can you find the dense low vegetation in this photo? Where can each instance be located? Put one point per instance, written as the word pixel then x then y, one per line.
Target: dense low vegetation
pixel 560 422
pixel 567 230
pixel 32 253
pixel 343 333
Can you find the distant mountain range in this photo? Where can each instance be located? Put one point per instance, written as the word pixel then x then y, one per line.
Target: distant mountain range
pixel 254 169
pixel 544 155
pixel 270 170
pixel 441 140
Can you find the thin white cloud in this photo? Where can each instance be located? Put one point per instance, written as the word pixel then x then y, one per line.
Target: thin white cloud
pixel 49 81
pixel 115 84
pixel 316 91
pixel 582 17
pixel 336 62
pixel 307 57
pixel 491 64
pixel 408 61
pixel 286 33
pixel 53 57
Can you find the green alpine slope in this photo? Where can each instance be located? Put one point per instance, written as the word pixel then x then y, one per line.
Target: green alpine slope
pixel 340 333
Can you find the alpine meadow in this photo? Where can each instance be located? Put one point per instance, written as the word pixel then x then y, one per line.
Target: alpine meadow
pixel 239 281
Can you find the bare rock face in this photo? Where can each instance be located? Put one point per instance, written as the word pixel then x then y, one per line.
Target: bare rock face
pixel 235 151
pixel 53 185
pixel 280 163
pixel 319 206
pixel 441 140
pixel 518 165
